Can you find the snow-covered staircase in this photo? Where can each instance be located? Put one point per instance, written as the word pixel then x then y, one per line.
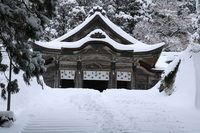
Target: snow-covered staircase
pixel 59 122
pixel 85 111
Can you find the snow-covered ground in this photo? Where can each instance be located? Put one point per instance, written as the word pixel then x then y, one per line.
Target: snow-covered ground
pixel 114 110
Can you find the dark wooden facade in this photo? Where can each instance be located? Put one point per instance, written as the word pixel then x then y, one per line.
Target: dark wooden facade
pixel 97 63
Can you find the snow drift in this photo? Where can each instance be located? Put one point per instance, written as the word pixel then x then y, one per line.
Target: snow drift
pixel 187 81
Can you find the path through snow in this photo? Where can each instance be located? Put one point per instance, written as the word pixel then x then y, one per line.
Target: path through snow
pixel 114 111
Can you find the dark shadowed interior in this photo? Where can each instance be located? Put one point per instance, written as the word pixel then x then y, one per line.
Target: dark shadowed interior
pixel 94 84
pixel 67 83
pixel 123 84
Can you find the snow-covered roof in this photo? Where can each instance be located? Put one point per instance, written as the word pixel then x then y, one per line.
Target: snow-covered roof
pixel 135 45
pixel 106 20
pixel 164 58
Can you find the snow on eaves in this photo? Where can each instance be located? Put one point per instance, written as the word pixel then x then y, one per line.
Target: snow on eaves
pixel 163 60
pixel 136 47
pixel 107 21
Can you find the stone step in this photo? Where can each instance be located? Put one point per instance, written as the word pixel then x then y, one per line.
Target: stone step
pixel 57 131
pixel 57 123
pixel 52 125
pixel 59 128
pixel 54 122
pixel 67 128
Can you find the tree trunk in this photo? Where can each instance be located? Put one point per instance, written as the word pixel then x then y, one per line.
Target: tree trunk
pixel 8 89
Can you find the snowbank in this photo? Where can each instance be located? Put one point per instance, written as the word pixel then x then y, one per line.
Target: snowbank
pixel 186 86
pixel 196 57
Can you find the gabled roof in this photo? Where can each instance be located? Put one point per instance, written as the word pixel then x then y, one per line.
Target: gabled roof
pixel 98 23
pixel 102 22
pixel 137 47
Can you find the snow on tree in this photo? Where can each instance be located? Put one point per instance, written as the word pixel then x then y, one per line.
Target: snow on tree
pixel 168 21
pixel 198 20
pixel 171 22
pixel 71 13
pixel 150 21
pixel 168 78
pixel 22 21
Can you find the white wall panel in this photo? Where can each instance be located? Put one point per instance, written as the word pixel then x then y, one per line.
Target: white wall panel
pixel 67 74
pixel 96 75
pixel 124 76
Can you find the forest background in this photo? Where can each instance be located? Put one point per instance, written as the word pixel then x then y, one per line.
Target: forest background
pixel 150 21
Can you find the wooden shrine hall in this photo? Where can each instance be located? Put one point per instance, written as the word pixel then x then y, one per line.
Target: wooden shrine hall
pixel 98 54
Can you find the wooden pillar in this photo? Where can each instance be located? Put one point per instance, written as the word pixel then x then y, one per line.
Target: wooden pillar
pixel 113 77
pixel 58 79
pixel 55 79
pixel 133 76
pixel 57 74
pixel 78 76
pixel 148 84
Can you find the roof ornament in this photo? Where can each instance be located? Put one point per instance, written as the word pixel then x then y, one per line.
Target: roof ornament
pixel 98 33
pixel 97 9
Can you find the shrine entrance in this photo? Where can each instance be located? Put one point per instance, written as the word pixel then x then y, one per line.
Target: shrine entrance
pixel 96 85
pixel 124 80
pixel 67 78
pixel 97 80
pixel 64 83
pixel 123 84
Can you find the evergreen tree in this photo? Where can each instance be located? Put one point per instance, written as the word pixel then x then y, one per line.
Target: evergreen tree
pixel 198 20
pixel 151 21
pixel 70 14
pixel 171 22
pixel 125 13
pixel 22 21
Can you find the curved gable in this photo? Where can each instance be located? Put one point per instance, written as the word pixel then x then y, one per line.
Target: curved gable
pixel 96 23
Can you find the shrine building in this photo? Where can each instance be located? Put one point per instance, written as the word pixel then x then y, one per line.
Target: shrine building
pixel 98 54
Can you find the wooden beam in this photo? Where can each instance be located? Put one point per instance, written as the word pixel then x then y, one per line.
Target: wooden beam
pixel 113 77
pixel 133 76
pixel 78 76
